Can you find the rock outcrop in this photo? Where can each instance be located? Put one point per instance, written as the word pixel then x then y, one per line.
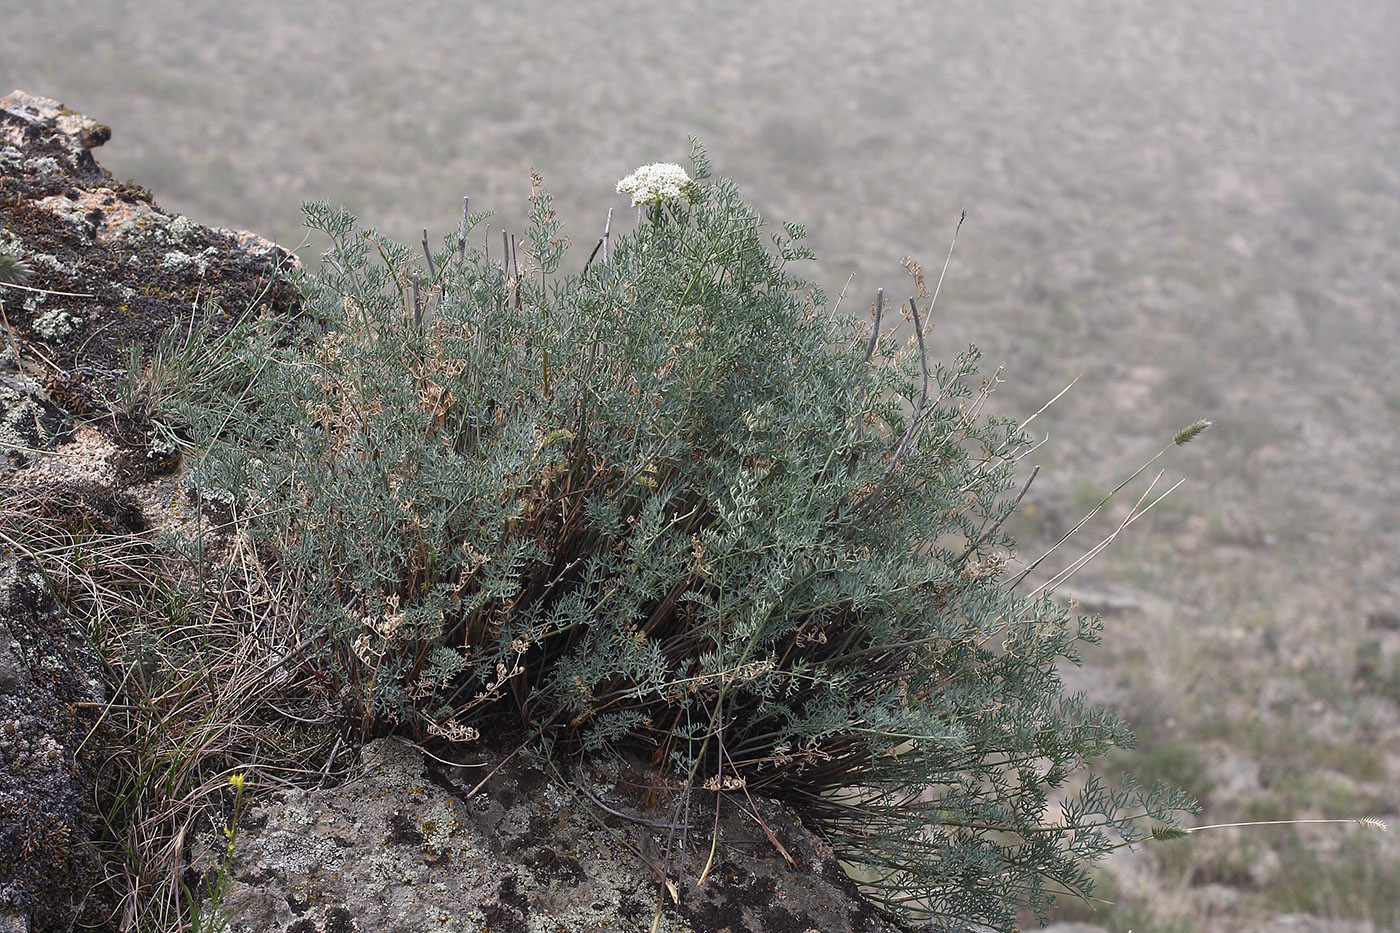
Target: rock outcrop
pixel 99 270
pixel 406 846
pixel 406 842
pixel 107 269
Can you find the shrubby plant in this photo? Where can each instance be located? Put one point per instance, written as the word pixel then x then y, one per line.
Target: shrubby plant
pixel 674 505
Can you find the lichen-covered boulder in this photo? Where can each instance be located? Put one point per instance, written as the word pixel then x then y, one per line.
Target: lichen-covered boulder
pixel 407 846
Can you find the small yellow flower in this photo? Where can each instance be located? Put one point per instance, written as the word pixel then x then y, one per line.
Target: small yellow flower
pixel 236 780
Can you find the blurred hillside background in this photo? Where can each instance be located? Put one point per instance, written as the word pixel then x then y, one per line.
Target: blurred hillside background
pixel 1193 207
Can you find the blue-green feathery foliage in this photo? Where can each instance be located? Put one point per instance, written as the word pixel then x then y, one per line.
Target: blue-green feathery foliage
pixel 674 505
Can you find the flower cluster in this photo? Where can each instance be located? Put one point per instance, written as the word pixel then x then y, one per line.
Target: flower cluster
pixel 652 184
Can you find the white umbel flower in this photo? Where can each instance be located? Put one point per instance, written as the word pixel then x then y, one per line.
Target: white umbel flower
pixel 652 184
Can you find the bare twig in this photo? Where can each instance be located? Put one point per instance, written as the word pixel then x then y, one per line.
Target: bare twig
pixel 519 748
pixel 462 231
pixel 1058 395
pixel 839 298
pixel 946 259
pixel 915 419
pixel 591 255
pixel 993 530
pixel 875 332
pixel 427 251
pixel 515 270
pixel 629 817
pixel 45 291
pixel 782 850
pixel 865 380
pixel 451 764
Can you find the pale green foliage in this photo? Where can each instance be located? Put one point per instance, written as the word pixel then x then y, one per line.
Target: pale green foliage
pixel 670 505
pixel 13 270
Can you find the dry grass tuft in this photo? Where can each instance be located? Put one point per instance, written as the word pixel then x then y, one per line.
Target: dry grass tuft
pixel 203 683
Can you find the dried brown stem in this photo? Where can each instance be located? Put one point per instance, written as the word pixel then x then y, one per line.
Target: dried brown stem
pixel 915 419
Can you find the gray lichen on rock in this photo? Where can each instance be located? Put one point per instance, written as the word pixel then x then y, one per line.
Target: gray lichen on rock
pixel 29 421
pixel 402 847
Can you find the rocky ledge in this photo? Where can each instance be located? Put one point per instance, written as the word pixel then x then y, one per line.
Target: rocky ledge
pixel 99 268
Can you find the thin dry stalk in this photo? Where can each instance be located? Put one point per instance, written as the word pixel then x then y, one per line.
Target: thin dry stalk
pixel 1138 510
pixel 1184 436
pixel 916 421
